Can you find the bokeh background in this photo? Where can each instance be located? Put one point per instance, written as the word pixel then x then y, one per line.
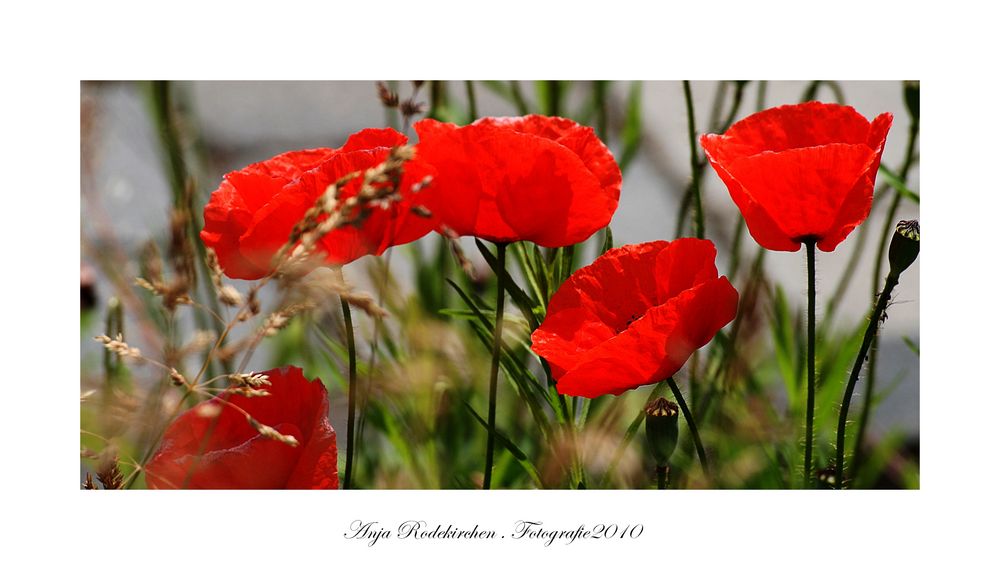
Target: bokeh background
pixel 126 193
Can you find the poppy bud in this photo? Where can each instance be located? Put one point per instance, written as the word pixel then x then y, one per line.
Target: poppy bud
pixel 661 429
pixel 911 94
pixel 904 247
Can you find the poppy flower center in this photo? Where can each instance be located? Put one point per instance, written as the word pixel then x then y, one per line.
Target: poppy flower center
pixel 627 324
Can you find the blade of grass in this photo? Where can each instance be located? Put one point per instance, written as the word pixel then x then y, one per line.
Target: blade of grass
pixel 515 451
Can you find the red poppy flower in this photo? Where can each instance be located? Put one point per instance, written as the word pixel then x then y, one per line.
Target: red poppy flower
pixel 252 213
pixel 213 446
pixel 542 179
pixel 634 316
pixel 801 171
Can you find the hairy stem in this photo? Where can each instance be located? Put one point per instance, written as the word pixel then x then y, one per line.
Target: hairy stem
pixel 689 419
pixel 699 218
pixel 811 362
pixel 887 230
pixel 870 333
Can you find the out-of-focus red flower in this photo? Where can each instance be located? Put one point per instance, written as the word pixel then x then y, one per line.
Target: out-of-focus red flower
pixel 252 213
pixel 213 446
pixel 542 179
pixel 800 172
pixel 634 316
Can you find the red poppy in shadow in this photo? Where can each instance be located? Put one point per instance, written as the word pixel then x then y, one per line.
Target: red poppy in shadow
pixel 252 213
pixel 634 316
pixel 801 172
pixel 214 446
pixel 542 179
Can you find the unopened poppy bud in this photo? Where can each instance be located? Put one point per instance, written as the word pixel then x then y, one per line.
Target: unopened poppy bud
pixel 904 247
pixel 911 94
pixel 661 429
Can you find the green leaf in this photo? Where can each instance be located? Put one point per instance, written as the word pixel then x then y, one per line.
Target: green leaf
pixel 550 96
pixel 609 241
pixel 514 450
pixel 510 91
pixel 912 345
pixel 898 184
pixel 529 272
pixel 524 382
pixel 632 130
pixel 786 347
pixel 520 298
pixel 475 308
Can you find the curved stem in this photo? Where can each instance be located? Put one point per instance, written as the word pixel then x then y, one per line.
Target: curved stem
pixel 870 332
pixel 699 219
pixel 691 424
pixel 811 364
pixel 352 389
pixel 495 365
pixel 887 230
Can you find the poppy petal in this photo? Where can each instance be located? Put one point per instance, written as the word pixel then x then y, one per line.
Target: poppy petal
pixel 368 139
pixel 540 179
pixel 252 214
pixel 221 450
pixel 794 126
pixel 682 265
pixel 633 316
pixel 656 346
pixel 800 171
pixel 760 224
pixel 857 205
pixel 803 189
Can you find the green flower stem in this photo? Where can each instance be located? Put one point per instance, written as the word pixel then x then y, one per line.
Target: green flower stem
pixel 691 424
pixel 870 333
pixel 495 366
pixel 352 389
pixel 662 473
pixel 699 218
pixel 887 231
pixel 182 186
pixel 811 363
pixel 470 94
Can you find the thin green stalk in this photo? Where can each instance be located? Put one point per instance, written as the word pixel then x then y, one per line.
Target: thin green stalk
pixel 811 361
pixel 887 230
pixel 681 214
pixel 495 365
pixel 373 345
pixel 870 333
pixel 601 104
pixel 689 419
pixel 699 217
pixel 734 249
pixel 662 473
pixel 630 434
pixel 849 271
pixel 352 389
pixel 519 101
pixel 747 301
pixel 181 186
pixel 470 94
pixel 554 92
pixel 761 96
pixel 439 100
pixel 735 106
